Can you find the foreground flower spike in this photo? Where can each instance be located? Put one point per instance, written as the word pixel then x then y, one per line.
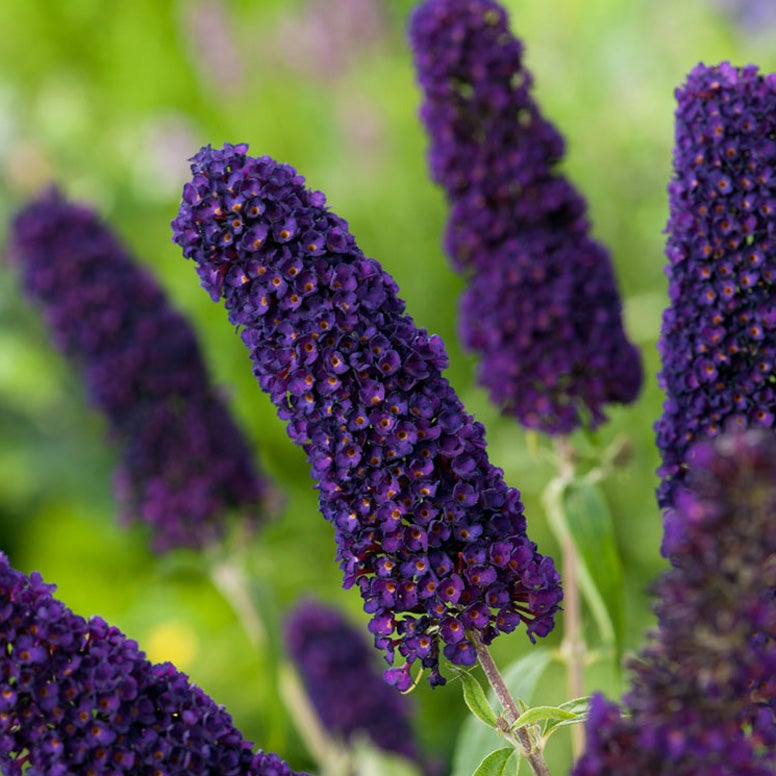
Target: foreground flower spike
pixel 703 699
pixel 78 696
pixel 337 668
pixel 184 462
pixel 542 308
pixel 425 525
pixel 717 340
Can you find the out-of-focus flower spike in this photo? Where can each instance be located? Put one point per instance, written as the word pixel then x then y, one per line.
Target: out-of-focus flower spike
pixel 338 671
pixel 702 697
pixel 184 463
pixel 542 309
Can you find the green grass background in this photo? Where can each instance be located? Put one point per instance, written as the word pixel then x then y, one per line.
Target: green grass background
pixel 110 99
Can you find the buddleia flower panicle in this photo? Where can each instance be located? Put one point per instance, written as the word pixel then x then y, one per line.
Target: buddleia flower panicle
pixel 717 338
pixel 426 527
pixel 338 670
pixel 703 696
pixel 78 696
pixel 541 309
pixel 184 462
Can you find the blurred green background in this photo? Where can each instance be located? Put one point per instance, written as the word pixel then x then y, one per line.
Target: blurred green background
pixel 111 99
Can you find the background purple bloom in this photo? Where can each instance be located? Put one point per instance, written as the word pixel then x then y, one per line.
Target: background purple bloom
pixel 717 336
pixel 751 16
pixel 339 672
pixel 425 525
pixel 184 462
pixel 331 36
pixel 702 697
pixel 78 696
pixel 542 309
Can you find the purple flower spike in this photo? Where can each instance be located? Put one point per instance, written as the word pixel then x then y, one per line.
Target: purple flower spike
pixel 402 471
pixel 542 309
pixel 337 668
pixel 184 462
pixel 718 333
pixel 78 696
pixel 703 698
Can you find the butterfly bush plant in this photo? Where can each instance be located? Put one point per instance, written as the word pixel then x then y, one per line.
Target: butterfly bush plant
pixel 426 528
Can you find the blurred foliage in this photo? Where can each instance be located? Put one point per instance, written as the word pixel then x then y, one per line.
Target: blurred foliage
pixel 110 99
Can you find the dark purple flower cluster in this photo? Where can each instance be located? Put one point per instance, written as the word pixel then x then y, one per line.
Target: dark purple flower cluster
pixel 542 308
pixel 337 668
pixel 78 696
pixel 717 340
pixel 702 699
pixel 184 461
pixel 425 525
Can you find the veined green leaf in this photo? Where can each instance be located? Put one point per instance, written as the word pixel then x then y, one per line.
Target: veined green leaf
pixel 496 763
pixel 474 697
pixel 592 530
pixel 542 713
pixel 577 707
pixel 577 509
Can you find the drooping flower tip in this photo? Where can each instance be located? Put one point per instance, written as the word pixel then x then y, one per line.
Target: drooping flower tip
pixel 542 308
pixel 715 344
pixel 79 696
pixel 338 671
pixel 425 525
pixel 184 462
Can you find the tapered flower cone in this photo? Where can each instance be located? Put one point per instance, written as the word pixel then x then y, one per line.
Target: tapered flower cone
pixel 426 527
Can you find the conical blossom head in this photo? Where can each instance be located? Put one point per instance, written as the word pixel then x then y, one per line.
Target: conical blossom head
pixel 703 699
pixel 425 525
pixel 78 696
pixel 337 667
pixel 542 309
pixel 184 463
pixel 717 336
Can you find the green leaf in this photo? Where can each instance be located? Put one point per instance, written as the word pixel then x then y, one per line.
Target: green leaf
pixel 578 510
pixel 601 578
pixel 474 697
pixel 578 708
pixel 495 764
pixel 577 705
pixel 522 676
pixel 475 740
pixel 542 713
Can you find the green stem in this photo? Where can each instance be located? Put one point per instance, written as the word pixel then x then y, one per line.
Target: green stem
pixel 232 582
pixel 228 572
pixel 527 748
pixel 572 645
pixel 332 757
pixel 231 579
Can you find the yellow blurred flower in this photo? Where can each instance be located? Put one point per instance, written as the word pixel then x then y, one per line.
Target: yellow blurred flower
pixel 172 641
